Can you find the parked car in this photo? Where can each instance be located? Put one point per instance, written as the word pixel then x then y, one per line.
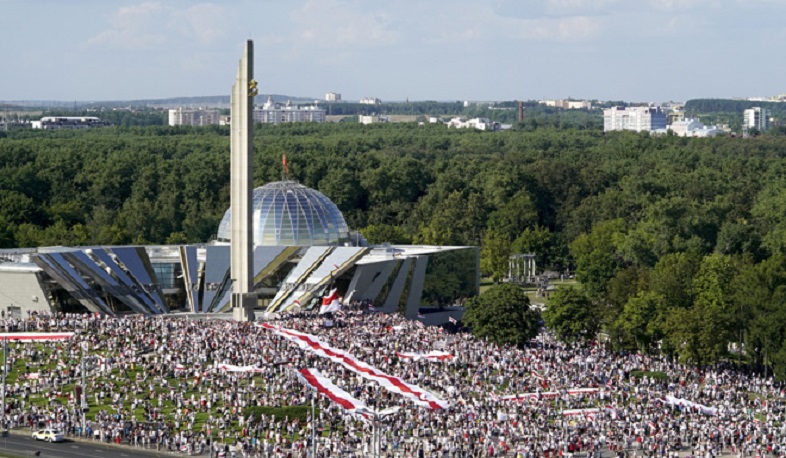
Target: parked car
pixel 49 435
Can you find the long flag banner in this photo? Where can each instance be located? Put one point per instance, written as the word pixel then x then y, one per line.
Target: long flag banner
pixel 231 368
pixel 35 336
pixel 530 396
pixel 580 391
pixel 575 412
pixel 547 394
pixel 393 384
pixel 435 355
pixel 325 387
pixel 706 410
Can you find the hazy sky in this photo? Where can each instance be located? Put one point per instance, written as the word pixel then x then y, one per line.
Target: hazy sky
pixel 635 50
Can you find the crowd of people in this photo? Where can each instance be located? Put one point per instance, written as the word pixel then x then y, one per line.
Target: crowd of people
pixel 156 382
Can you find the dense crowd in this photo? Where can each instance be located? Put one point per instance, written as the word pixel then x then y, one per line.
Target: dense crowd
pixel 155 382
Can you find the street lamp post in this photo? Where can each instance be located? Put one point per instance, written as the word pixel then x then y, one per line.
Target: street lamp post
pixel 739 348
pixel 314 425
pixel 83 400
pixel 380 415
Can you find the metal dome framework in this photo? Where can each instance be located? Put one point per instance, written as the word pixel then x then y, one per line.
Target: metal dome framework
pixel 288 213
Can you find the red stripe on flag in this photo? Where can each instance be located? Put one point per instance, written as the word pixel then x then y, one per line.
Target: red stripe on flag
pixel 410 391
pixel 313 380
pixel 332 296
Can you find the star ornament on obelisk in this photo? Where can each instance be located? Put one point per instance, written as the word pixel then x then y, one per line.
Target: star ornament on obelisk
pixel 241 193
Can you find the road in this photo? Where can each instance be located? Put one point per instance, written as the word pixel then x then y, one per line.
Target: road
pixel 19 445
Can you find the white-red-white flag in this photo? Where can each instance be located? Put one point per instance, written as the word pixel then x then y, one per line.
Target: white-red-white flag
pixel 232 368
pixel 434 355
pixel 35 336
pixel 330 303
pixel 324 386
pixel 393 384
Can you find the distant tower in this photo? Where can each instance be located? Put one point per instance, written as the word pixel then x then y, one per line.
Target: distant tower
pixel 241 178
pixel 521 111
pixel 756 118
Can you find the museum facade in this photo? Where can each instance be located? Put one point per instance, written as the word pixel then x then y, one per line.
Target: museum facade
pixel 302 248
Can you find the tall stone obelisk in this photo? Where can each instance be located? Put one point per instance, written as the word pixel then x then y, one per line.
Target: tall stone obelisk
pixel 242 172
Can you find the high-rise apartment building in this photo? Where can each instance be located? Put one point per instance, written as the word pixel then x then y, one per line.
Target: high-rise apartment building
pixel 634 118
pixel 276 113
pixel 756 118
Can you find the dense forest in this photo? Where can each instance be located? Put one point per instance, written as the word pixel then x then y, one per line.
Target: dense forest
pixel 679 244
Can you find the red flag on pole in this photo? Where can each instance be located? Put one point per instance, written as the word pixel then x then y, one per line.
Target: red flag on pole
pixel 284 162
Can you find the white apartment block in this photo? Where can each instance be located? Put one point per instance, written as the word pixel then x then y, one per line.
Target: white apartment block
pixel 194 117
pixel 474 123
pixel 568 104
pixel 756 118
pixel 332 97
pixel 374 119
pixel 370 101
pixel 634 118
pixel 277 113
pixel 68 122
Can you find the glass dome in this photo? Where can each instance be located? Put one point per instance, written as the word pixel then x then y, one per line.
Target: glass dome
pixel 288 213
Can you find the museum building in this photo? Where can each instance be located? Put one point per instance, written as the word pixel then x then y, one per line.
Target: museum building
pixel 302 248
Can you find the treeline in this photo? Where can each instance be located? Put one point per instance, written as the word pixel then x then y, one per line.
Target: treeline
pixel 730 112
pixel 535 114
pixel 678 243
pixel 732 106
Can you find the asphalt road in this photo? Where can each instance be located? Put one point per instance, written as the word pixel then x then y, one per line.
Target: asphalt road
pixel 18 445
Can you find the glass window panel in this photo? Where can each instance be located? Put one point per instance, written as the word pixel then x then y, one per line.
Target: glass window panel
pixel 287 212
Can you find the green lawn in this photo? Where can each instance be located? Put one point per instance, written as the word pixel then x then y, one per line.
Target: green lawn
pixel 119 378
pixel 486 283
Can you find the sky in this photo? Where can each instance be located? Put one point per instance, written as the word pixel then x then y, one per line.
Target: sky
pixel 632 50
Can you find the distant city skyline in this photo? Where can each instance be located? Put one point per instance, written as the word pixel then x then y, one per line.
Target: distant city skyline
pixel 642 51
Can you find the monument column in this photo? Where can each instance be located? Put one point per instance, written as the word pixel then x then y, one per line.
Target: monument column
pixel 241 193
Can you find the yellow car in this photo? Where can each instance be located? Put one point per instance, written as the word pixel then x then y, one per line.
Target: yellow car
pixel 49 435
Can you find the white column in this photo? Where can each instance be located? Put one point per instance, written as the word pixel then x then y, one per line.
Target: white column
pixel 241 192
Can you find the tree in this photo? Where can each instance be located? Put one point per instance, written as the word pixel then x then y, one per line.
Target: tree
pixel 596 256
pixel 759 303
pixel 638 319
pixel 386 233
pixel 514 216
pixel 627 284
pixel 571 315
pixel 673 276
pixel 712 284
pixel 701 332
pixel 458 220
pixel 738 237
pixel 537 240
pixel 768 211
pixel 495 255
pixel 503 315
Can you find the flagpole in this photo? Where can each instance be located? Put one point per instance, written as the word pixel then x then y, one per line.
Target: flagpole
pixel 84 390
pixel 314 425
